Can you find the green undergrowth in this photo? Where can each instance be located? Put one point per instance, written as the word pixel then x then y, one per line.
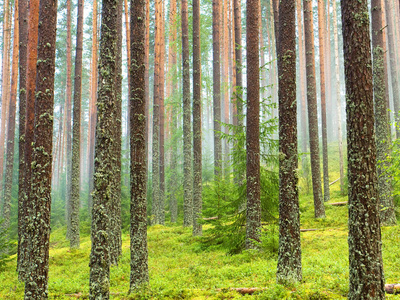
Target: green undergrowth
pixel 182 268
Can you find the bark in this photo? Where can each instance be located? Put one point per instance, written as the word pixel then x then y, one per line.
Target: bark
pixel 253 219
pixel 139 255
pixel 387 212
pixel 69 121
pixel 275 6
pixel 104 164
pixel 319 209
pixel 128 56
pixel 40 197
pixel 217 88
pixel 11 123
pixel 29 117
pixel 187 134
pixel 156 116
pixel 197 149
pixel 172 89
pixel 321 37
pixel 146 74
pixel 393 63
pixel 92 105
pixel 75 163
pixel 161 211
pixel 289 253
pixel 338 99
pixel 226 83
pixel 303 86
pixel 238 55
pixel 5 97
pixel 115 230
pixel 365 254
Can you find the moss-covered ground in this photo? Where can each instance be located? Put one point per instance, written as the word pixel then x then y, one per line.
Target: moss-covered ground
pixel 180 268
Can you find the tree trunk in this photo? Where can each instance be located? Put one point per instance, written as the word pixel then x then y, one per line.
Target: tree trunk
pixel 40 198
pixel 161 211
pixel 321 37
pixel 23 40
pixel 217 88
pixel 26 206
pixel 393 63
pixel 387 213
pixel 69 122
pixel 172 88
pixel 104 164
pixel 11 123
pixel 303 87
pixel 92 105
pixel 5 97
pixel 365 254
pixel 253 219
pixel 338 98
pixel 139 254
pixel 289 254
pixel 197 149
pixel 76 147
pixel 238 55
pixel 115 230
pixel 187 135
pixel 312 109
pixel 156 115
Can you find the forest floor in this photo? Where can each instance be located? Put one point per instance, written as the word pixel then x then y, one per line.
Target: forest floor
pixel 180 268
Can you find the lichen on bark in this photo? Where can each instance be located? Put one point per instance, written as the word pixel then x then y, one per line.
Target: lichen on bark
pixel 289 268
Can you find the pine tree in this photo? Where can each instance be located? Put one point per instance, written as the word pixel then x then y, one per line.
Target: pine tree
pixel 23 39
pixel 322 62
pixel 289 253
pixel 312 110
pixel 253 223
pixel 139 254
pixel 105 145
pixel 197 150
pixel 187 134
pixel 40 197
pixel 76 139
pixel 365 254
pixel 387 213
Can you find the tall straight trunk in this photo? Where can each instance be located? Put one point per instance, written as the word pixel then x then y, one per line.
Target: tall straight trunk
pixel 303 87
pixel 253 218
pixel 26 205
pixel 393 63
pixel 328 70
pixel 156 116
pixel 69 122
pixel 187 135
pixel 139 255
pixel 11 123
pixel 75 163
pixel 5 96
pixel 104 165
pixel 225 78
pixel 161 210
pixel 238 55
pixel 172 88
pixel 385 65
pixel 365 253
pixel 128 56
pixel 40 198
pixel 197 150
pixel 338 98
pixel 217 87
pixel 387 213
pixel 321 38
pixel 319 209
pixel 146 75
pixel 275 6
pixel 115 231
pixel 92 105
pixel 289 253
